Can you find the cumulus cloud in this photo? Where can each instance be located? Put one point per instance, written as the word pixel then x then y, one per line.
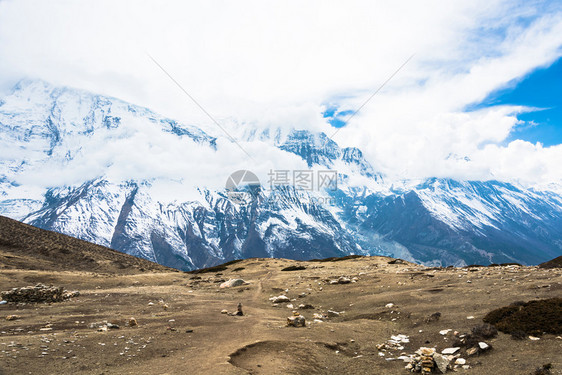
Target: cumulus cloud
pixel 279 64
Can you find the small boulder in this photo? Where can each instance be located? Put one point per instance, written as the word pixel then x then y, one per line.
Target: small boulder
pixel 433 317
pixel 112 326
pixel 296 321
pixel 232 283
pixel 441 361
pixel 344 280
pixel 483 346
pixel 132 322
pixel 485 330
pixel 280 299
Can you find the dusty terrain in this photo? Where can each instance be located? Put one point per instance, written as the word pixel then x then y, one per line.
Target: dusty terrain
pixel 181 329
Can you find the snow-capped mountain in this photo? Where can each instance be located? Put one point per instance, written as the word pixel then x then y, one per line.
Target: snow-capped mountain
pixel 51 136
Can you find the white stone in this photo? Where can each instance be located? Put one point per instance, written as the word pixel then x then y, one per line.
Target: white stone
pixel 280 299
pixel 483 345
pixel 533 338
pixel 232 282
pixel 450 350
pixel 460 361
pixel 445 331
pixel 389 305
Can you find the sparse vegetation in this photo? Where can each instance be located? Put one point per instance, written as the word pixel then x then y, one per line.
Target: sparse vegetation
pixel 532 318
pixel 294 268
pixel 218 268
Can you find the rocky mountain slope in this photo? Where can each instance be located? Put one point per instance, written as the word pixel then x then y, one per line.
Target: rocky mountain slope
pixel 51 133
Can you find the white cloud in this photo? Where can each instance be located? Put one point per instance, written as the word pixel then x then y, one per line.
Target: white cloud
pixel 277 63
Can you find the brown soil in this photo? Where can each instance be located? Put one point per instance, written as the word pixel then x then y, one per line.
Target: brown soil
pixel 186 333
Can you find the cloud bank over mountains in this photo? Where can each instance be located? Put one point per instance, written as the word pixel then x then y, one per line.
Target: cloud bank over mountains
pixel 280 65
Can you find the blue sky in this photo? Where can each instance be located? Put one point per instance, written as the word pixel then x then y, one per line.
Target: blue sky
pixel 541 89
pixel 335 117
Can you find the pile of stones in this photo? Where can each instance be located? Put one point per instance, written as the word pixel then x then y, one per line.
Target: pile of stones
pixel 428 360
pixel 38 293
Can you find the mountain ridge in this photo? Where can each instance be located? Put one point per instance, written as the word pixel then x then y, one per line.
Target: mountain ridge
pixel 437 221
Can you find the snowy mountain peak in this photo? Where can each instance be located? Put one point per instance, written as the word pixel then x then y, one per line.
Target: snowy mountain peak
pixel 69 163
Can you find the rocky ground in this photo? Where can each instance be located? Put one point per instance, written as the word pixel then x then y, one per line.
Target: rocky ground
pixel 360 315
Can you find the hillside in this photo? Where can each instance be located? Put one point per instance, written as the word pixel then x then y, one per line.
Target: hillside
pixel 23 246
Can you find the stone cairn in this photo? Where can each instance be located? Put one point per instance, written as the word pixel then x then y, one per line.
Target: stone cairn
pixel 38 293
pixel 424 361
pixel 297 320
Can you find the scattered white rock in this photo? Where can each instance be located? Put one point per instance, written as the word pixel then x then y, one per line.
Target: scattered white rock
pixel 389 305
pixel 482 345
pixel 448 351
pixel 534 338
pixel 460 361
pixel 280 299
pixel 400 338
pixel 445 331
pixel 470 317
